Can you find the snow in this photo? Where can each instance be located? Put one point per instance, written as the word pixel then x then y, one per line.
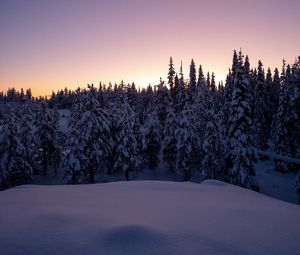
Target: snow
pixel 276 184
pixel 146 217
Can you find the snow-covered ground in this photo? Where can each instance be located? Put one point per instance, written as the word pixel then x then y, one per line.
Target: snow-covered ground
pixel 275 184
pixel 146 217
pixel 271 183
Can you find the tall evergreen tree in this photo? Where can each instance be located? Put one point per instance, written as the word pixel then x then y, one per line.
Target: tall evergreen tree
pixel 14 167
pixel 201 78
pixel 285 122
pixel 46 135
pixel 260 110
pixel 171 77
pixel 240 150
pixel 169 151
pixel 213 161
pixel 126 156
pixel 213 86
pixel 90 140
pixel 192 81
pixel 187 142
pixel 151 133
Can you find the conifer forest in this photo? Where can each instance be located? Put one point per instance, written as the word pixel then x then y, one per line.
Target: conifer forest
pixel 188 126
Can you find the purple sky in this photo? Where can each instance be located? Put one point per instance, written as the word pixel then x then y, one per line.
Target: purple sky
pixel 47 45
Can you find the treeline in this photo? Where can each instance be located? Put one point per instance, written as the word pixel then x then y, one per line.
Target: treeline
pixel 183 125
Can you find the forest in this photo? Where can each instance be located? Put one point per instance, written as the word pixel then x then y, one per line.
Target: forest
pixel 186 125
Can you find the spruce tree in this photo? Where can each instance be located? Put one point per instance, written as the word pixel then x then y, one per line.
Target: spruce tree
pixel 260 111
pixel 46 135
pixel 192 81
pixel 187 142
pixel 14 167
pixel 126 156
pixel 285 122
pixel 169 150
pixel 240 150
pixel 89 142
pixel 151 133
pixel 213 86
pixel 201 78
pixel 171 77
pixel 213 161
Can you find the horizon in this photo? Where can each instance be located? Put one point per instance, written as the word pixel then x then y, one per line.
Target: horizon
pixel 49 46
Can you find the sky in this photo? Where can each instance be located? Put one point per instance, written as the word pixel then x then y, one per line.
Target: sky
pixel 49 45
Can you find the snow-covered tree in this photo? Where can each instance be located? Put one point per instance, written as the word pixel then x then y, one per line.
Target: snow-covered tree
pixel 240 150
pixel 213 86
pixel 180 92
pixel 187 142
pixel 169 150
pixel 14 167
pixel 192 81
pixel 151 133
pixel 285 122
pixel 46 135
pixel 171 77
pixel 161 102
pixel 213 162
pixel 260 110
pixel 126 156
pixel 89 142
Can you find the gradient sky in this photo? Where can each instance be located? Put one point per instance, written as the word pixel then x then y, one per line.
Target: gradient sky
pixel 48 45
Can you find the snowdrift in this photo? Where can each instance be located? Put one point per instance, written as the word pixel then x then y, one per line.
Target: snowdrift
pixel 146 217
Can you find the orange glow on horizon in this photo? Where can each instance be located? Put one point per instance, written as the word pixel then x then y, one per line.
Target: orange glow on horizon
pixel 49 46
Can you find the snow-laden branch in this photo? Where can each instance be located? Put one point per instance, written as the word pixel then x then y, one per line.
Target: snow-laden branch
pixel 277 156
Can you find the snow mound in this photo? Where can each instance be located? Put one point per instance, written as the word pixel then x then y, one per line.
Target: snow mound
pixel 146 217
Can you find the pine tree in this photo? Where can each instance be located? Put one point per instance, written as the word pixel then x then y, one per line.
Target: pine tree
pixel 240 150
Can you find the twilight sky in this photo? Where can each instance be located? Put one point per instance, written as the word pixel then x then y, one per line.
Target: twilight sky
pixel 48 45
